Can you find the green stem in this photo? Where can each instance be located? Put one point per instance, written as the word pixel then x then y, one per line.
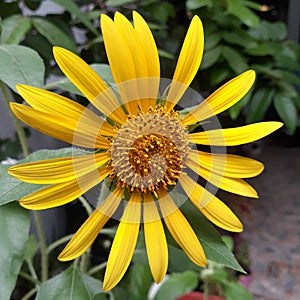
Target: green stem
pixel 206 289
pixel 32 272
pixel 86 205
pixel 29 278
pixel 19 129
pixel 85 259
pixel 43 245
pixel 59 242
pixel 97 268
pixel 29 294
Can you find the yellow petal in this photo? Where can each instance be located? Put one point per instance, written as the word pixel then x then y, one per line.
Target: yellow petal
pixel 62 128
pixel 155 240
pixel 233 185
pixel 88 232
pixel 58 170
pixel 210 206
pixel 124 243
pixel 89 83
pixel 65 192
pixel 223 98
pixel 228 165
pixel 58 105
pixel 235 136
pixel 188 62
pixel 181 230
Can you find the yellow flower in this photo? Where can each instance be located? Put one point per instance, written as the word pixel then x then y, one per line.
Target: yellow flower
pixel 143 147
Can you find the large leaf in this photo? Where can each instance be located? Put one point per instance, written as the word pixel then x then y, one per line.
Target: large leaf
pixel 235 291
pixel 72 8
pixel 177 285
pixel 14 29
pixel 53 34
pixel 194 4
pixel 70 284
pixel 259 104
pixel 287 111
pixel 19 64
pixel 235 60
pixel 210 58
pixel 14 224
pixel 13 189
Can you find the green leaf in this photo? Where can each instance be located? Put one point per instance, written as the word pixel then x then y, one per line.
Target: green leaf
pixel 235 60
pixel 219 74
pixel 177 285
pixel 240 38
pixel 19 64
pixel 210 239
pixel 13 189
pixel 287 111
pixel 212 41
pixel 53 34
pixel 14 224
pixel 283 61
pixel 140 281
pixel 235 291
pixel 103 70
pixel 118 2
pixel 291 77
pixel 259 104
pixel 70 284
pixel 261 50
pixel 73 8
pixel 14 28
pixel 194 4
pixel 210 58
pixel 278 31
pixel 31 247
pixel 246 16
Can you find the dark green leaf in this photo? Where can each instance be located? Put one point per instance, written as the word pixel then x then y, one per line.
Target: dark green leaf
pixel 240 38
pixel 235 291
pixel 287 111
pixel 261 50
pixel 72 8
pixel 278 31
pixel 219 74
pixel 260 32
pixel 14 224
pixel 70 284
pixel 53 34
pixel 19 64
pixel 259 104
pixel 283 61
pixel 212 41
pixel 210 58
pixel 194 4
pixel 235 60
pixel 245 15
pixel 14 28
pixel 118 2
pixel 13 189
pixel 31 247
pixel 177 285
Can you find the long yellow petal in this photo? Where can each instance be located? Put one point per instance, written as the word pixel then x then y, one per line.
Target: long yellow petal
pixel 223 98
pixel 188 62
pixel 89 83
pixel 58 105
pixel 212 208
pixel 155 240
pixel 124 243
pixel 235 136
pixel 58 170
pixel 88 232
pixel 228 165
pixel 61 128
pixel 233 185
pixel 181 230
pixel 65 192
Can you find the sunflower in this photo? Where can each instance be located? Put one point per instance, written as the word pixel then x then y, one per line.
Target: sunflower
pixel 141 145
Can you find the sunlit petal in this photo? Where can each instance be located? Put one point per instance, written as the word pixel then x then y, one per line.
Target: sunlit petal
pixel 88 232
pixel 235 136
pixel 212 208
pixel 124 243
pixel 223 98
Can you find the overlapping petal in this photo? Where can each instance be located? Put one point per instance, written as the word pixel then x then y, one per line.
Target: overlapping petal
pixel 58 170
pixel 235 136
pixel 62 128
pixel 155 239
pixel 181 230
pixel 124 243
pixel 88 232
pixel 188 62
pixel 223 98
pixel 64 192
pixel 212 208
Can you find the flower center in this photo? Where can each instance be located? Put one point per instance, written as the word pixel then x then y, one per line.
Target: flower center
pixel 148 150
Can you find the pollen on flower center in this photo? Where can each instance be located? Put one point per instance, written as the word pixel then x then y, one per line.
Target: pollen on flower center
pixel 148 150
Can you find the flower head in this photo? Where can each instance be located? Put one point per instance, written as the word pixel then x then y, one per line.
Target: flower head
pixel 142 146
